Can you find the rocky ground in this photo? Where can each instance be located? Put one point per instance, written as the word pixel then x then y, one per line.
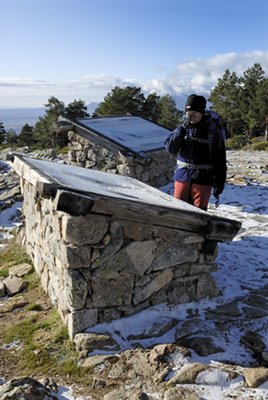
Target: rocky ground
pixel 166 370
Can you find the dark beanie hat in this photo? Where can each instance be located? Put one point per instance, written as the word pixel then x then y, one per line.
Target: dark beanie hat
pixel 195 103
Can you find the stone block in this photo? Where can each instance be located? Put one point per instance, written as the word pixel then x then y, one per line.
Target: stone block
pixel 179 291
pixel 168 255
pixel 112 284
pixel 75 257
pixel 157 282
pixel 141 254
pixel 206 287
pixel 75 289
pixel 79 320
pixel 84 230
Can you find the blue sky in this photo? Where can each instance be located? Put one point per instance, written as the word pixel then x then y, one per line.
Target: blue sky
pixel 74 49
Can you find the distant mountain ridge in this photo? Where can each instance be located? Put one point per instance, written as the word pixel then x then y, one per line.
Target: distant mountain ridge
pixel 16 118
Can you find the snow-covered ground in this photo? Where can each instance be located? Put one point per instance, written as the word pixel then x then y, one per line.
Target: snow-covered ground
pixel 242 269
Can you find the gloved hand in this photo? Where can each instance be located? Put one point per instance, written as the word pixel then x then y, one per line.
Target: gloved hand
pixel 218 189
pixel 186 123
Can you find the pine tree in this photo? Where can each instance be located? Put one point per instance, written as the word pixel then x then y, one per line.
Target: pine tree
pixel 76 109
pixel 11 137
pixel 150 109
pixel 25 137
pixel 169 116
pixel 224 98
pixel 262 105
pixel 44 133
pixel 250 98
pixel 122 101
pixel 2 133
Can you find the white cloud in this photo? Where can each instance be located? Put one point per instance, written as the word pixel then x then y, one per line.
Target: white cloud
pixel 195 75
pixel 201 74
pixel 28 92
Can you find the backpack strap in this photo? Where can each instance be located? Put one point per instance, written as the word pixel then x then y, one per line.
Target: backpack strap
pixel 209 140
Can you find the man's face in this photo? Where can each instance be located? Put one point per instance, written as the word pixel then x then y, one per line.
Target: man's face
pixel 194 116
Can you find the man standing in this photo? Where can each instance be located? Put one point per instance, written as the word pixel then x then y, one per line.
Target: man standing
pixel 201 161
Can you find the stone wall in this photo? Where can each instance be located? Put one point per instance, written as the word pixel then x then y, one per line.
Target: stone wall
pixel 155 169
pixel 97 267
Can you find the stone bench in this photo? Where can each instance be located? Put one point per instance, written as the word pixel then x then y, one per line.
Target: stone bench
pixel 107 246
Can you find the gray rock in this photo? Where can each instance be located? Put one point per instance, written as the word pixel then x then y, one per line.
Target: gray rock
pixel 25 388
pixel 14 285
pixel 253 341
pixel 2 289
pixel 100 359
pixel 160 354
pixel 157 329
pixel 228 309
pixel 86 342
pixel 187 374
pixel 21 270
pixel 123 394
pixel 255 377
pixel 255 300
pixel 180 393
pixel 99 382
pixel 140 395
pixel 203 346
pixel 189 327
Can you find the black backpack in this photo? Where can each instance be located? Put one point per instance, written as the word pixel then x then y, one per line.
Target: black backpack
pixel 218 121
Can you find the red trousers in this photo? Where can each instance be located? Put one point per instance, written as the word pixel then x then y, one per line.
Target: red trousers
pixel 192 193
